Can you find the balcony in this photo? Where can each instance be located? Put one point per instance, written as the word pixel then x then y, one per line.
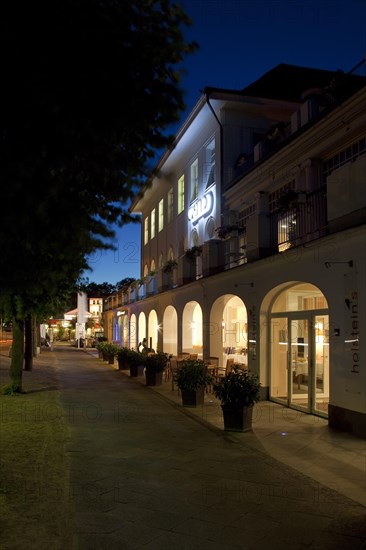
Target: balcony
pixel 304 219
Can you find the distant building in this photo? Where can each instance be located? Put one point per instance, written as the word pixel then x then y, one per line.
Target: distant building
pixel 91 316
pixel 96 312
pixel 253 241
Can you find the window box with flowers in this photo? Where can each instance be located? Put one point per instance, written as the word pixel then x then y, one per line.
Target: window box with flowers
pixel 230 230
pixel 290 199
pixel 169 266
pixel 192 253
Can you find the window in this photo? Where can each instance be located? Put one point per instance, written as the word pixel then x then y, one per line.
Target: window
pixel 347 155
pixel 209 175
pixel 170 205
pixel 146 230
pixel 161 215
pixel 194 180
pixel 152 229
pixel 180 194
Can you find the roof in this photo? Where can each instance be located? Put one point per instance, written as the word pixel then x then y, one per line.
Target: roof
pixel 290 82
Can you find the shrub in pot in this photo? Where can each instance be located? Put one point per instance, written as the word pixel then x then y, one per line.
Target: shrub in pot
pixel 192 378
pixel 238 392
pixel 136 363
pixel 100 346
pixel 155 365
pixel 122 357
pixel 109 352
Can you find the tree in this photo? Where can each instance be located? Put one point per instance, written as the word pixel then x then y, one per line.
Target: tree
pixel 125 283
pixel 97 290
pixel 87 99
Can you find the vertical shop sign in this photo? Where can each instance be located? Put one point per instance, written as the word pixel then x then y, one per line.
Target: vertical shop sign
pixel 252 348
pixel 352 324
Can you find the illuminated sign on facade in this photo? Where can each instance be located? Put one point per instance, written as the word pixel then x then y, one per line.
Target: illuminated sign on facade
pixel 202 207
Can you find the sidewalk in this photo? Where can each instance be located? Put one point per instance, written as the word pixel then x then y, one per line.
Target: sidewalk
pixel 179 481
pixel 302 441
pixel 148 474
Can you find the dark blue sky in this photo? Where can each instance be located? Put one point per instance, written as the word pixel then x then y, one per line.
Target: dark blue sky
pixel 239 41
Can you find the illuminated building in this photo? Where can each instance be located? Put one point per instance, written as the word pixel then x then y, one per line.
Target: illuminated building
pixel 253 240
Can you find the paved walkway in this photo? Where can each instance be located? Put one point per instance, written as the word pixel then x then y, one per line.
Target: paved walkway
pixel 147 474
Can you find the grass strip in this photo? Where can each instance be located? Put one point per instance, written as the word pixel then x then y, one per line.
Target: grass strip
pixel 36 510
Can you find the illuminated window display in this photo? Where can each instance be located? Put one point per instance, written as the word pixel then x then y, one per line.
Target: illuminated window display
pixel 235 331
pixel 300 349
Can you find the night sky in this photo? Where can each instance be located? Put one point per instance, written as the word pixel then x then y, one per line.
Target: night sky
pixel 239 41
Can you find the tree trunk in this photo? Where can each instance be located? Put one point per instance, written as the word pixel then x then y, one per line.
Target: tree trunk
pixel 17 356
pixel 36 336
pixel 28 352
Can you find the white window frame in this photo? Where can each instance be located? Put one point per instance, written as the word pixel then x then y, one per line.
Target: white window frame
pixel 194 180
pixel 146 230
pixel 210 163
pixel 161 215
pixel 181 194
pixel 152 223
pixel 170 201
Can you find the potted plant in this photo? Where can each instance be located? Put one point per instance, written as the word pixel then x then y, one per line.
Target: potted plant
pixel 169 266
pixel 192 378
pixel 290 199
pixel 230 230
pixel 192 253
pixel 155 365
pixel 136 363
pixel 122 358
pixel 100 347
pixel 109 352
pixel 238 392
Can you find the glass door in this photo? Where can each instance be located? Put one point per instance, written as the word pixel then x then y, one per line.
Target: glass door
pixel 321 362
pixel 279 360
pixel 299 367
pixel 300 362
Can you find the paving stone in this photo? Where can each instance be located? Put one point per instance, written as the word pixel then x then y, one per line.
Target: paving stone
pixel 147 474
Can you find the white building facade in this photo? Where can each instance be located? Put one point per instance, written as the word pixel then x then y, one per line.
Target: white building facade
pixel 253 241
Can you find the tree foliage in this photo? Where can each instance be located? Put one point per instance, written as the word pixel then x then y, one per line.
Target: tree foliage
pixel 89 88
pixel 97 290
pixel 87 97
pixel 125 283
